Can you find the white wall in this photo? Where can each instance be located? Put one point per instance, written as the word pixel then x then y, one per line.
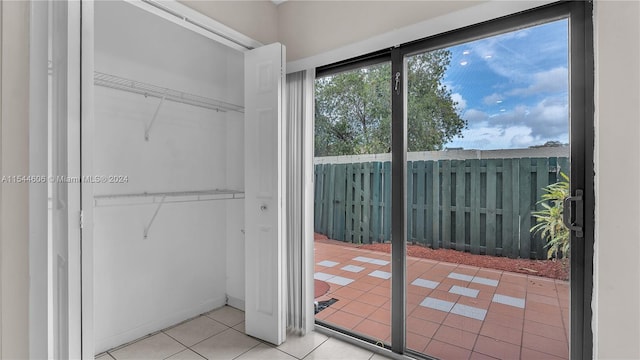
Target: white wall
pixel 257 19
pixel 309 28
pixel 14 198
pixel 180 270
pixel 617 277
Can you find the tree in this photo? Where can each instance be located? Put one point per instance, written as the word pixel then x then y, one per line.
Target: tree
pixel 353 108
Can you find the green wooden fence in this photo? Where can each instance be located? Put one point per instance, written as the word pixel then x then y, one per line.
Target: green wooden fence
pixel 480 206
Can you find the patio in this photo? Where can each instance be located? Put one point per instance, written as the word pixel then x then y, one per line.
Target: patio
pixel 453 311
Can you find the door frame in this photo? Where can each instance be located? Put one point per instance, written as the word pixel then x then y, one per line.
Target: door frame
pixel 581 60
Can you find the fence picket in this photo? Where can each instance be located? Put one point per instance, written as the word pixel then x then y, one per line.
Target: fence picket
pixel 420 201
pixel 474 221
pixel 318 199
pixel 366 203
pixel 329 201
pixel 387 201
pixel 507 208
pixel 542 180
pixel 339 202
pixel 460 205
pixel 434 214
pixel 490 228
pixel 446 204
pixel 375 202
pixel 525 208
pixel 409 215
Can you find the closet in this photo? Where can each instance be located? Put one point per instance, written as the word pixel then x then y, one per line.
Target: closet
pixel 169 160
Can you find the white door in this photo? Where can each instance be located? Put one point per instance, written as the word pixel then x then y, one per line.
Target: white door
pixel 265 293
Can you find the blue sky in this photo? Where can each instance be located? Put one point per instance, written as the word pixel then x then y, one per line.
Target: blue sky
pixel 512 88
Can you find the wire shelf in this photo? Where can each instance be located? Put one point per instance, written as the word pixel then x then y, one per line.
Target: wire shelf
pixel 137 87
pixel 166 197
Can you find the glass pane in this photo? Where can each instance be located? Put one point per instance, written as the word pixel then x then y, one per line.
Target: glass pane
pixel 353 201
pixel 488 130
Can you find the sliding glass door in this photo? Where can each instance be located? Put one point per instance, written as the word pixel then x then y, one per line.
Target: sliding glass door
pixel 487 170
pixel 453 176
pixel 352 210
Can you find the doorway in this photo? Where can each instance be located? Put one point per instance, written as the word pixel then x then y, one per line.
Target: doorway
pixel 485 127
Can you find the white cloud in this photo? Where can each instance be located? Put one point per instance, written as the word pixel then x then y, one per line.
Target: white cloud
pixel 492 99
pixel 554 80
pixel 474 116
pixel 517 127
pixel 460 101
pixel 486 138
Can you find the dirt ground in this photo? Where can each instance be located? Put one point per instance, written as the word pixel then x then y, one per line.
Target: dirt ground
pixel 554 269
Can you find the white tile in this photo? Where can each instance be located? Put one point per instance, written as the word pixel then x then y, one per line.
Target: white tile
pixel 195 330
pixel 437 304
pixel 380 274
pixel 328 263
pixel 425 283
pixel 227 315
pixel 484 281
pixel 300 346
pixel 469 311
pixel 462 277
pixel 337 349
pixel 226 345
pixel 509 300
pixel 322 276
pixel 379 357
pixel 186 355
pixel 370 260
pixel 378 262
pixel 264 351
pixel 158 346
pixel 353 268
pixel 240 327
pixel 455 289
pixel 339 280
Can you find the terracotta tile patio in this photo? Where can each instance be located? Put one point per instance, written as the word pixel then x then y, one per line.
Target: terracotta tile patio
pixel 453 311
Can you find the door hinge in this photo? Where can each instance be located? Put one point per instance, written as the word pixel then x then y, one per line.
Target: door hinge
pixel 573 218
pixel 81 219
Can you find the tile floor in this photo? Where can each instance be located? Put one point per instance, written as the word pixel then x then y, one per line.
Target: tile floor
pixel 219 334
pixel 453 311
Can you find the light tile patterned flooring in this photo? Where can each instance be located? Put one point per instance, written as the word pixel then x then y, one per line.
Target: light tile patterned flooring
pixel 220 335
pixel 453 311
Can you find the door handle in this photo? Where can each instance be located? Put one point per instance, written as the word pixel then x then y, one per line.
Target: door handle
pixel 574 219
pixel 263 208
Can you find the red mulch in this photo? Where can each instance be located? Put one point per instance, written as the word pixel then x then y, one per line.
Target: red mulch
pixel 554 269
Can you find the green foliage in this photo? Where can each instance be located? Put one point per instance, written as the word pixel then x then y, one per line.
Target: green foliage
pixel 353 108
pixel 549 220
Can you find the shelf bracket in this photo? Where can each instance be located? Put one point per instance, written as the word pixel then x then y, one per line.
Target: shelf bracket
pixel 155 116
pixel 146 229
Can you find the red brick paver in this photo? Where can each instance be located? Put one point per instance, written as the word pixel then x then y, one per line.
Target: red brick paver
pixel 473 323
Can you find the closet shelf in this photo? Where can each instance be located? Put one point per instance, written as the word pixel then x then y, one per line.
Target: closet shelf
pixel 137 87
pixel 166 197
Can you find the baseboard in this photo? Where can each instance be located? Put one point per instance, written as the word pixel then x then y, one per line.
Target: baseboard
pixel 151 327
pixel 235 302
